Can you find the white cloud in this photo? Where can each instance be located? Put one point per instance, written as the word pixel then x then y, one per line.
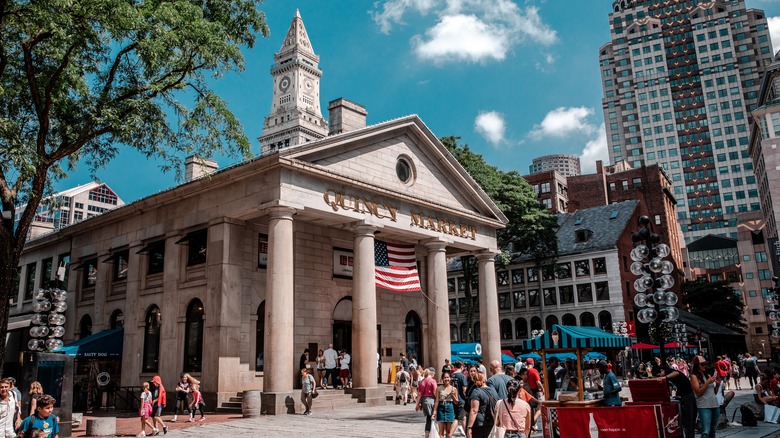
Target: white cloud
pixel 461 38
pixel 393 12
pixel 491 125
pixel 595 149
pixel 774 31
pixel 564 121
pixel 473 30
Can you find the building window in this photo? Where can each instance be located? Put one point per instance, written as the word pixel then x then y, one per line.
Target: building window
pixel 90 271
pixel 413 335
pixel 605 320
pixel 504 303
pixel 46 271
pixel 569 319
pixel 196 242
pixel 155 257
pixel 506 329
pixel 582 268
pixel 260 337
pixel 563 270
pixel 151 356
pixel 533 275
pixel 85 326
pixel 29 284
pixel 119 264
pixel 567 294
pixel 502 278
pixel 63 269
pixel 193 337
pixel 599 266
pixel 550 321
pixel 584 293
pixel 521 328
pixel 117 319
pixel 602 291
pixel 549 296
pixel 587 320
pixel 517 276
pixel 545 187
pixel 519 300
pixel 533 298
pixel 453 303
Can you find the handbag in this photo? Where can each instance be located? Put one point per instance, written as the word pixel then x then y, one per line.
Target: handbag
pixel 771 414
pixel 315 394
pixel 497 431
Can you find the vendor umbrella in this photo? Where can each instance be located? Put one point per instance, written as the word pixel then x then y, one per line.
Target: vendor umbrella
pixel 533 356
pixel 506 359
pixel 643 346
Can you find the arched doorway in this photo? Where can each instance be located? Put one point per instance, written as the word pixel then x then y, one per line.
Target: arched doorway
pixel 117 319
pixel 193 337
pixel 414 336
pixel 550 321
pixel 569 319
pixel 260 337
pixel 587 320
pixel 536 323
pixel 521 328
pixel 342 325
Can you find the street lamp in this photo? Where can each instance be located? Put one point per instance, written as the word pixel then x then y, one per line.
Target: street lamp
pixel 48 320
pixel 655 300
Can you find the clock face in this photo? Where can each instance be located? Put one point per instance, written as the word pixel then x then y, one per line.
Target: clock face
pixel 284 84
pixel 308 84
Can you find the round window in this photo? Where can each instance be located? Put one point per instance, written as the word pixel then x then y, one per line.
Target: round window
pixel 404 170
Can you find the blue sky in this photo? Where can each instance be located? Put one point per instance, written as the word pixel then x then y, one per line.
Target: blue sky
pixel 514 79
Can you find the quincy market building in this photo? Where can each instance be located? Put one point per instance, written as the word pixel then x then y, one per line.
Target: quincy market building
pixel 231 276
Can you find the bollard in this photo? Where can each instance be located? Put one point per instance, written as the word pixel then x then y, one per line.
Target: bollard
pixel 101 426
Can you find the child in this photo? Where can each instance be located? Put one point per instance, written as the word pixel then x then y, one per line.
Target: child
pixel 43 419
pixel 182 394
pixel 146 411
pixel 196 403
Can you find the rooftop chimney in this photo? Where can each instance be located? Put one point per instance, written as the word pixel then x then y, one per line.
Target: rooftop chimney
pixel 345 116
pixel 197 167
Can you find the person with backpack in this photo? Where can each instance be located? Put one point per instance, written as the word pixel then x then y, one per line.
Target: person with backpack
pixel 483 408
pixel 401 386
pixel 751 369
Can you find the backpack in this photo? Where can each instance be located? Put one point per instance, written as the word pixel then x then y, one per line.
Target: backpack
pixel 403 378
pixel 749 417
pixel 490 409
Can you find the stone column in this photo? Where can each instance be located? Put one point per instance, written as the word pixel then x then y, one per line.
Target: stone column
pixel 488 309
pixel 279 314
pixel 439 309
pixel 364 341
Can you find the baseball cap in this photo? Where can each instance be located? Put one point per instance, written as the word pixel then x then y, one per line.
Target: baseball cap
pixel 700 360
pixel 529 360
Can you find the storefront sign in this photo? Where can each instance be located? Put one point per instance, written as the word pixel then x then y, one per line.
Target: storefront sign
pixel 381 210
pixel 617 422
pixel 343 261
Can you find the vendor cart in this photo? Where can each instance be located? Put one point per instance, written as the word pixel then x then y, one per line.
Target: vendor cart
pixel 577 415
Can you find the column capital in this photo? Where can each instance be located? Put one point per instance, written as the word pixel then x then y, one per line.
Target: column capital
pixel 281 212
pixel 364 230
pixel 436 245
pixel 487 255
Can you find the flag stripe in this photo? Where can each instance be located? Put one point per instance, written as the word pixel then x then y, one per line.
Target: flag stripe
pixel 396 267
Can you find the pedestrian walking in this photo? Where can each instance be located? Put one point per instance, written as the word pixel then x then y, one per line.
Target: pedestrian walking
pixel 688 409
pixel 344 362
pixel 36 390
pixel 751 369
pixel 706 386
pixel 331 374
pixel 321 368
pixel 481 416
pixel 735 374
pixel 514 413
pixel 42 419
pixel 414 376
pixel 182 396
pixel 308 391
pixel 402 384
pixel 145 412
pixel 9 418
pixel 427 388
pixel 158 403
pixel 444 405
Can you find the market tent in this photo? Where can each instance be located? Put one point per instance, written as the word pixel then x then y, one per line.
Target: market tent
pixel 643 346
pixel 454 358
pixel 570 336
pixel 505 359
pixel 533 356
pixel 593 355
pixel 102 345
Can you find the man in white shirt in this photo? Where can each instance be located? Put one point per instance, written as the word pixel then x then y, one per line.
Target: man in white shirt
pixel 402 382
pixel 344 360
pixel 7 410
pixel 331 375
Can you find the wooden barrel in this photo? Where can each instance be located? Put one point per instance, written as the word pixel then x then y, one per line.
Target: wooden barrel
pixel 251 404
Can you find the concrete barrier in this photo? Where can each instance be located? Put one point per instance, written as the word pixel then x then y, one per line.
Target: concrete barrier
pixel 102 426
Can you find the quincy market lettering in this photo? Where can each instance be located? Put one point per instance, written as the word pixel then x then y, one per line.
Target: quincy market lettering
pixel 360 204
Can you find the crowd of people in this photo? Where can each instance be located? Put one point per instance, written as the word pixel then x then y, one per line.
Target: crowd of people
pixel 153 399
pixel 28 417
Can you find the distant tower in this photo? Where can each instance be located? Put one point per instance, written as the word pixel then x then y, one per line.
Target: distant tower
pixel 295 116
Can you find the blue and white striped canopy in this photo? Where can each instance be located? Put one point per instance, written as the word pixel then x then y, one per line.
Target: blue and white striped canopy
pixel 570 336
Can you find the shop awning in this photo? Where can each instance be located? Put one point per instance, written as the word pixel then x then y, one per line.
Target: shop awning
pixel 569 336
pixel 102 345
pixel 467 351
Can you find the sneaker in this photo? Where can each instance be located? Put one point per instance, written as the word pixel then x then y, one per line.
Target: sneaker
pixel 165 430
pixel 173 420
pixel 202 419
pixel 155 432
pixel 190 420
pixel 141 435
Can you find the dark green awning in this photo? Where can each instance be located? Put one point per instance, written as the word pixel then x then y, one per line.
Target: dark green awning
pixel 102 345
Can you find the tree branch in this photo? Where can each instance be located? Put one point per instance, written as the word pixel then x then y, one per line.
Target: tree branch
pixel 115 66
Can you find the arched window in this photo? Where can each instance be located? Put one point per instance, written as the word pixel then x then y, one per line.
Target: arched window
pixel 152 322
pixel 414 336
pixel 193 337
pixel 605 321
pixel 521 328
pixel 506 329
pixel 260 337
pixel 587 320
pixel 453 333
pixel 85 326
pixel 569 319
pixel 536 323
pixel 464 333
pixel 549 321
pixel 117 319
pixel 476 332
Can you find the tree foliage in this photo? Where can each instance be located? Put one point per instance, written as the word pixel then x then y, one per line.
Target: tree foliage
pixel 80 78
pixel 717 302
pixel 531 230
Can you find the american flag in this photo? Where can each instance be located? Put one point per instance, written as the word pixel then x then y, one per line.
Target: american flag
pixel 396 267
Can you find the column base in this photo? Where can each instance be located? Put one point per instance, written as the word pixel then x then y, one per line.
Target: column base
pixel 278 403
pixel 369 396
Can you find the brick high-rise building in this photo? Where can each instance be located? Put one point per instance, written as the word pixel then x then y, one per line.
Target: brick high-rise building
pixel 680 78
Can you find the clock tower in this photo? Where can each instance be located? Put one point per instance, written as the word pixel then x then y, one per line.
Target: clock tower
pixel 295 116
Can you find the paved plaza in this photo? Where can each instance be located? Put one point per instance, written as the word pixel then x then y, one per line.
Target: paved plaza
pixel 382 421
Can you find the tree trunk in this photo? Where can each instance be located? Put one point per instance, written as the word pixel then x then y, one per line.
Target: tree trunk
pixel 8 264
pixel 468 263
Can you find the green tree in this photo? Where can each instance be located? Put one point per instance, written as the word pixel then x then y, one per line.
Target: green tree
pixel 80 78
pixel 717 302
pixel 531 231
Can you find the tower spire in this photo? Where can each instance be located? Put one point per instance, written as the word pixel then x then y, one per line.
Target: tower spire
pixel 295 117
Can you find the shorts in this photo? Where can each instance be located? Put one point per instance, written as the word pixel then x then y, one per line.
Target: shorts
pixel 726 377
pixel 157 411
pixel 460 411
pixel 445 413
pixel 344 374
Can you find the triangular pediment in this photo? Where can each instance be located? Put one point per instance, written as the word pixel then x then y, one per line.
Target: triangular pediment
pixel 369 157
